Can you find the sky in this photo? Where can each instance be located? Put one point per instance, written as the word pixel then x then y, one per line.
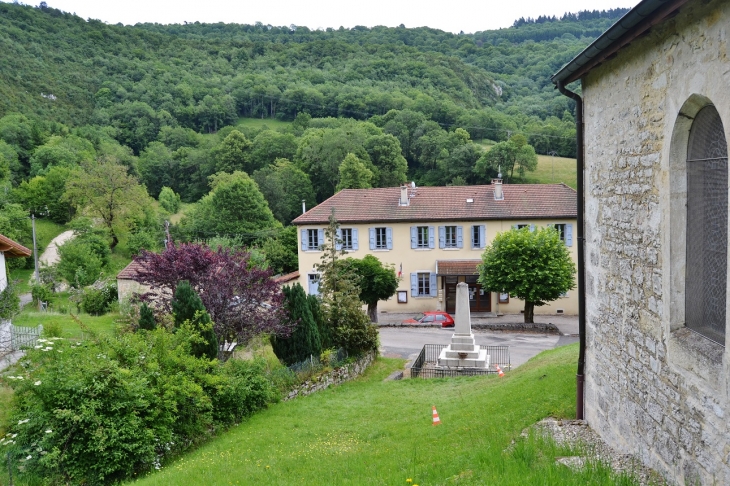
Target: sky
pixel 453 16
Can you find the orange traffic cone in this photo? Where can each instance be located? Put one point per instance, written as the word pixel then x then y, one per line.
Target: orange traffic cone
pixel 436 420
pixel 499 371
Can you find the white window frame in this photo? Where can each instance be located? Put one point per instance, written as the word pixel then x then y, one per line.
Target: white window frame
pixel 422 238
pixel 381 238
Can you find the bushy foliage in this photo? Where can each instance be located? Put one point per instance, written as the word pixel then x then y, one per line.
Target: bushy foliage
pixel 146 318
pixel 41 293
pixel 97 300
pixel 187 308
pixel 9 302
pixel 350 328
pixel 169 200
pixel 305 340
pixel 534 266
pixel 112 407
pixel 83 258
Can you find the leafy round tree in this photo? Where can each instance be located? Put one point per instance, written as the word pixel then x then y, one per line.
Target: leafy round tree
pixel 376 282
pixel 304 341
pixel 534 266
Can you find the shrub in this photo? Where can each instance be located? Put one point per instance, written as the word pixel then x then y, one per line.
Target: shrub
pixel 41 293
pixel 169 200
pixel 52 329
pixel 97 301
pixel 146 318
pixel 116 406
pixel 188 308
pixel 79 265
pixel 142 240
pixel 304 341
pixel 9 302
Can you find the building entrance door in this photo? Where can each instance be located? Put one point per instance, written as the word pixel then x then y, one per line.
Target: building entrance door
pixel 479 299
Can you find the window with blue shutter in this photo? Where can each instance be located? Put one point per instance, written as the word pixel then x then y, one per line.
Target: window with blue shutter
pixel 414 237
pixel 532 227
pixel 414 285
pixel 355 239
pixel 389 238
pixel 372 238
pixel 460 237
pixel 478 236
pixel 569 235
pixel 304 240
pixel 433 289
pixel 320 239
pixel 431 237
pixel 338 239
pixel 442 236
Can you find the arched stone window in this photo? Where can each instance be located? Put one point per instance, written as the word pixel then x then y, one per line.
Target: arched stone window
pixel 706 226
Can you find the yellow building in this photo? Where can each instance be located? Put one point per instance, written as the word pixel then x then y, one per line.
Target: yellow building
pixel 435 236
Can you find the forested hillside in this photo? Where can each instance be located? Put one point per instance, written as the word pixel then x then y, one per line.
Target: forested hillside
pixel 163 108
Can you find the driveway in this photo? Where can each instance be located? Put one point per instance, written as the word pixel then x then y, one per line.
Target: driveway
pixel 407 342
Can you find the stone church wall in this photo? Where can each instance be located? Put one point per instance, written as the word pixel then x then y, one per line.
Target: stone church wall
pixel 653 387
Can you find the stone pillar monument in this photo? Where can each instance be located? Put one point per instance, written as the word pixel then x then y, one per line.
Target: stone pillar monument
pixel 462 352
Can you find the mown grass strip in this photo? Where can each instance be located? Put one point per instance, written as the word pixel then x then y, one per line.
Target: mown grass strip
pixel 374 432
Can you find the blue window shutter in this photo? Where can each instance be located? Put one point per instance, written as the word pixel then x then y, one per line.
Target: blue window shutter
pixel 442 236
pixel 305 241
pixel 482 236
pixel 414 237
pixel 514 226
pixel 320 239
pixel 431 237
pixel 389 237
pixel 355 240
pixel 532 227
pixel 372 238
pixel 568 235
pixel 414 285
pixel 460 237
pixel 434 290
pixel 338 238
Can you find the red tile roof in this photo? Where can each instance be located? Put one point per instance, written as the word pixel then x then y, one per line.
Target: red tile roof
pixel 282 279
pixel 457 267
pixel 12 248
pixel 521 201
pixel 130 271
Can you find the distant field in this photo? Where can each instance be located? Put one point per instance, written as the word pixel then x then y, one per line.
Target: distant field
pixel 552 170
pixel 271 123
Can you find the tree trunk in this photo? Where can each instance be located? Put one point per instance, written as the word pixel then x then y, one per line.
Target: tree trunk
pixel 373 312
pixel 529 312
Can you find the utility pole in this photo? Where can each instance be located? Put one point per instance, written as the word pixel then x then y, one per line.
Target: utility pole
pixel 168 240
pixel 35 250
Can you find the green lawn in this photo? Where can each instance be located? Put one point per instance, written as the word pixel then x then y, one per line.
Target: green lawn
pixel 271 123
pixel 552 170
pixel 372 431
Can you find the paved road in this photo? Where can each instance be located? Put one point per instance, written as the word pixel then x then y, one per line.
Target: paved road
pixel 399 342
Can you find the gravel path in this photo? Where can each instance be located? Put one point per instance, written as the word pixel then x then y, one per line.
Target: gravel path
pixel 50 255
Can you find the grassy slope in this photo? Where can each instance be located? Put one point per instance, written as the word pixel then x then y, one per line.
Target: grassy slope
pixel 551 170
pixel 372 431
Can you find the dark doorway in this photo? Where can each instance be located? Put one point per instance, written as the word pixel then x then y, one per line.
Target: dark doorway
pixel 479 299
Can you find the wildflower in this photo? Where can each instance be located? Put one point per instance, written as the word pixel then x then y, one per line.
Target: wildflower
pixel 21 422
pixel 267 467
pixel 37 383
pixel 13 436
pixel 48 431
pixel 38 346
pixel 59 351
pixel 29 458
pixel 409 480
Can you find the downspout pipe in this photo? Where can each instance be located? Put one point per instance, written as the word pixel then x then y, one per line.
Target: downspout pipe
pixel 580 149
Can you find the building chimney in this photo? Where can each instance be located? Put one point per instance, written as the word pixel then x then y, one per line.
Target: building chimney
pixel 403 201
pixel 498 195
pixel 304 206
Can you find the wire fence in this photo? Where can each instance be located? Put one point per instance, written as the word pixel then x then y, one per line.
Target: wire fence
pixel 315 363
pixel 425 366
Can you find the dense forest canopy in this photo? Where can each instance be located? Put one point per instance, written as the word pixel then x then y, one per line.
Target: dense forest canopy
pixel 165 104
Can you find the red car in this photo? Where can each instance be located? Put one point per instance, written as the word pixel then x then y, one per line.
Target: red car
pixel 431 317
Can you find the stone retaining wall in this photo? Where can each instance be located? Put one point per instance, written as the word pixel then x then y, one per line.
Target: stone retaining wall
pixel 334 377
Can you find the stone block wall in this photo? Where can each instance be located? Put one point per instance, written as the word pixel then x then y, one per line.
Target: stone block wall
pixel 653 388
pixel 334 377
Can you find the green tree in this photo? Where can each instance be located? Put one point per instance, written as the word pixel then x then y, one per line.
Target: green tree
pixel 304 341
pixel 233 153
pixel 187 307
pixel 375 280
pixel 146 318
pixel 285 186
pixel 268 146
pixel 354 174
pixel 281 251
pixel 105 190
pixel 514 153
pixel 385 153
pixel 169 200
pixel 234 206
pixel 43 194
pixel 79 264
pixel 341 306
pixel 534 266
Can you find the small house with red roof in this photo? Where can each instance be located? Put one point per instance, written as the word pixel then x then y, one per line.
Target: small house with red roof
pixel 9 249
pixel 435 236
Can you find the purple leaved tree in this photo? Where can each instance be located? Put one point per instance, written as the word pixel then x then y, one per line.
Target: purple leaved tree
pixel 242 299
